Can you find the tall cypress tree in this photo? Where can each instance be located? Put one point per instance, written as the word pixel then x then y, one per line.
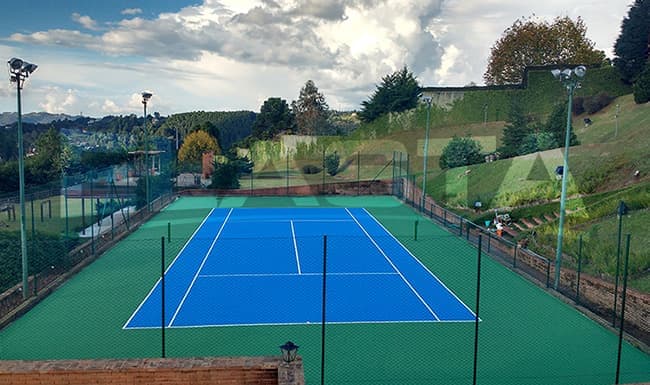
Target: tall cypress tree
pixel 556 125
pixel 631 47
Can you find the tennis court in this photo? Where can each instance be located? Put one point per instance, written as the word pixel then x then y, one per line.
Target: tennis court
pixel 381 282
pixel 263 279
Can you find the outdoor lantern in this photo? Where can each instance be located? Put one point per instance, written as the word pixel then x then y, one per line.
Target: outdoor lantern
pixel 289 351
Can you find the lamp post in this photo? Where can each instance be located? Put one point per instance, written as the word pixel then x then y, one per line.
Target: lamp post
pixel 571 82
pixel 145 98
pixel 427 100
pixel 289 351
pixel 19 70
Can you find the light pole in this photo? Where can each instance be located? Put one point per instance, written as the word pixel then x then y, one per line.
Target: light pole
pixel 427 100
pixel 19 70
pixel 618 111
pixel 145 98
pixel 571 82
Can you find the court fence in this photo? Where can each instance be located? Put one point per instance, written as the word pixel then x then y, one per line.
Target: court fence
pixel 594 295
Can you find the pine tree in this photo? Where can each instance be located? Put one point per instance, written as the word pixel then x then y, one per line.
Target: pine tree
pixel 397 92
pixel 556 125
pixel 516 129
pixel 311 111
pixel 631 47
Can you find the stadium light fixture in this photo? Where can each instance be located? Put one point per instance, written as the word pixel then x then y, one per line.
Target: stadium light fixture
pixel 571 82
pixel 289 351
pixel 427 100
pixel 146 95
pixel 19 71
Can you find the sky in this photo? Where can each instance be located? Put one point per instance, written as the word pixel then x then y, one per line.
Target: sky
pixel 96 57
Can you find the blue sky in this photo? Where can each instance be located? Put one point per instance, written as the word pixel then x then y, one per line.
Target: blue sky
pixel 96 57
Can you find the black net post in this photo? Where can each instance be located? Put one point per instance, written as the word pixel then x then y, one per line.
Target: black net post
pixel 579 269
pixel 478 303
pixel 162 297
pixel 324 318
pixel 620 332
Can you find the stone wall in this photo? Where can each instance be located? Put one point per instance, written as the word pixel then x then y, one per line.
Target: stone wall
pixel 156 371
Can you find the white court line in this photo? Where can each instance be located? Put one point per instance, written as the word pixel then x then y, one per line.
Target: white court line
pixel 205 258
pixel 395 267
pixel 421 264
pixel 295 246
pixel 168 267
pixel 253 275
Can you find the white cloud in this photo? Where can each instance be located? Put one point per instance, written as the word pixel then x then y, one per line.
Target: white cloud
pixel 131 11
pixel 110 107
pixel 86 21
pixel 56 100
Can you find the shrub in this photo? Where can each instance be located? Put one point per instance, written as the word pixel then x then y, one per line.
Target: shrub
pixel 460 152
pixel 332 162
pixel 595 103
pixel 311 169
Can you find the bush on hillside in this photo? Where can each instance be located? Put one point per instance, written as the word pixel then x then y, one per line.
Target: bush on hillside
pixel 578 106
pixel 332 162
pixel 311 169
pixel 595 103
pixel 460 152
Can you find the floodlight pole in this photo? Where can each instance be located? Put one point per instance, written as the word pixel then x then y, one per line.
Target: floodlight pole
pixel 571 83
pixel 20 70
pixel 145 98
pixel 426 153
pixel 21 183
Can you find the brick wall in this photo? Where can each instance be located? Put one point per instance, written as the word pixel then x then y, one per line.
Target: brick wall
pixel 159 371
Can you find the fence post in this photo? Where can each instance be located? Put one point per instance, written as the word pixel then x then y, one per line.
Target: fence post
pixel 169 231
pixel 620 333
pixel 514 258
pixel 287 173
pixel 324 319
pixel 358 173
pixel 489 239
pixel 162 297
pixel 579 269
pixel 415 231
pixel 92 218
pixel 467 230
pixel 460 226
pixel 478 303
pixel 548 274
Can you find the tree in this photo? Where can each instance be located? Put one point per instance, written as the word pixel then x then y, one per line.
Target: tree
pixel 537 141
pixel 631 47
pixel 195 144
pixel 460 151
pixel 642 86
pixel 528 43
pixel 397 92
pixel 516 129
pixel 556 125
pixel 53 156
pixel 274 117
pixel 311 110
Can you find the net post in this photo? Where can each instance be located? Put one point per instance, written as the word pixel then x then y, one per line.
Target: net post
pixel 478 303
pixel 579 269
pixel 624 294
pixel 162 297
pixel 324 319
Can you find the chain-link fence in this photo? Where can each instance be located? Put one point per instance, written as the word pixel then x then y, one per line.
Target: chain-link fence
pixel 391 301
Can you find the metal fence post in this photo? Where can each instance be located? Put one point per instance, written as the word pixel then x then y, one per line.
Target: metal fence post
pixel 579 269
pixel 162 297
pixel 478 303
pixel 620 333
pixel 324 318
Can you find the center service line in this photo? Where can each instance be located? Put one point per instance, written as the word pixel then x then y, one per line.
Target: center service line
pixel 295 247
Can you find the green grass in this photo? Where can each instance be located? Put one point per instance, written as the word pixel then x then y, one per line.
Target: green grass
pixel 526 334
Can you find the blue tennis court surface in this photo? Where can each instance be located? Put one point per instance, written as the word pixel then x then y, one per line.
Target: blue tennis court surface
pixel 264 266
